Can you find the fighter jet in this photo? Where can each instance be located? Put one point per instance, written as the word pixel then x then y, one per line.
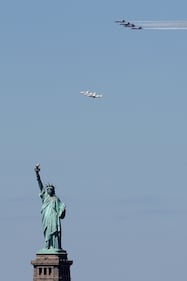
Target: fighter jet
pixel 137 27
pixel 131 25
pixel 91 94
pixel 128 24
pixel 120 21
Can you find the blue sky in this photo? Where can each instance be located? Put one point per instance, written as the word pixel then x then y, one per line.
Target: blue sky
pixel 119 163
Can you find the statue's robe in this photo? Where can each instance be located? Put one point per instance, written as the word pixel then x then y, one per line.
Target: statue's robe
pixel 52 211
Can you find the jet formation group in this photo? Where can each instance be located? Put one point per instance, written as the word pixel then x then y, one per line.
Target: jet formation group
pixel 159 24
pixel 128 24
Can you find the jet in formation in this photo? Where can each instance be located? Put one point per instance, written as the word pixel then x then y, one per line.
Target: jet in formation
pixel 91 94
pixel 128 24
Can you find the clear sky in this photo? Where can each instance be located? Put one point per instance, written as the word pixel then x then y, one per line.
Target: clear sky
pixel 119 163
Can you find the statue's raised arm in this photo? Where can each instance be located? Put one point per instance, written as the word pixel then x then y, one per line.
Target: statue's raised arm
pixel 37 170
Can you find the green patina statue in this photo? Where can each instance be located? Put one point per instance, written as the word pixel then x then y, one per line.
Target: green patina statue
pixel 52 210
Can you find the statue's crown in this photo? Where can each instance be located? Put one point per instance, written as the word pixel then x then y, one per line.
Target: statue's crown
pixel 50 186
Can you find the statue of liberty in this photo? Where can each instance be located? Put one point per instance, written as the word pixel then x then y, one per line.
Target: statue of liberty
pixel 52 210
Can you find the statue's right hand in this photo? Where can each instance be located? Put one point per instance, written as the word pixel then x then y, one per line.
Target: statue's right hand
pixel 37 168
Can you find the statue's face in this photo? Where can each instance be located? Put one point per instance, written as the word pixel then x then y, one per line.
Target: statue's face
pixel 50 191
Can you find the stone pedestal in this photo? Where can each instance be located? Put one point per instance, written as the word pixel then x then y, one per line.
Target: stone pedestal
pixel 52 267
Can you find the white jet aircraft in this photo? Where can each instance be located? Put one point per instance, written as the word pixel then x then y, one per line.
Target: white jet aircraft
pixel 91 94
